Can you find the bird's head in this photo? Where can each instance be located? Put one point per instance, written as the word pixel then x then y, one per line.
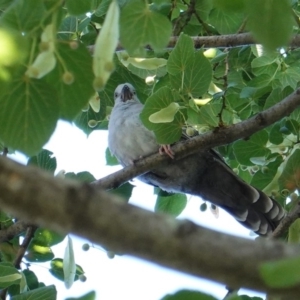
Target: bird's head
pixel 125 92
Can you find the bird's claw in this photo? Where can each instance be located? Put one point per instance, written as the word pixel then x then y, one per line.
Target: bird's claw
pixel 166 149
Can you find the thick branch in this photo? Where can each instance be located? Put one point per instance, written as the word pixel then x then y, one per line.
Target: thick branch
pixel 82 209
pixel 218 41
pixel 220 136
pixel 13 230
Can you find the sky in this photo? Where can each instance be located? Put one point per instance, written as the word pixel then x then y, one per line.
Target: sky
pixel 123 277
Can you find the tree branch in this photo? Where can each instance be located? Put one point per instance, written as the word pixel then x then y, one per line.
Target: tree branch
pixel 218 137
pixel 216 41
pixel 68 206
pixel 13 230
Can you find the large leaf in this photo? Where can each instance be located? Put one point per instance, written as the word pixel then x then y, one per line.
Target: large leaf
pixel 188 70
pixel 270 21
pixel 172 204
pixel 166 133
pixel 139 26
pixel 44 160
pixel 188 294
pixel 28 114
pixel 24 15
pixel 281 274
pixel 76 7
pixel 290 177
pixel 42 293
pixel 255 147
pixel 226 22
pixel 75 95
pixel 8 275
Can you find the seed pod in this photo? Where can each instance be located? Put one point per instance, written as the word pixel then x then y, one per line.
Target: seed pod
pixel 165 115
pixel 68 78
pixel 92 123
pixel 105 46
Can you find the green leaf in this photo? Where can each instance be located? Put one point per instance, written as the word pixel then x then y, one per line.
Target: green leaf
pixel 47 237
pixel 139 26
pixel 166 133
pixel 226 22
pixel 81 176
pixel 73 97
pixel 77 7
pixel 290 177
pixel 57 269
pixel 254 147
pixel 294 233
pixel 268 17
pixel 189 70
pixel 292 126
pixel 209 115
pixel 261 179
pixel 110 159
pixel 282 273
pixel 173 204
pixel 166 114
pixel 287 78
pixel 38 253
pixel 69 266
pixel 42 293
pixel 67 28
pixel 124 191
pixel 31 279
pixel 44 160
pixel 188 295
pixel 180 56
pixel 8 275
pixel 88 296
pixel 24 15
pixel 275 136
pixel 276 96
pixel 28 114
pixel 229 6
pixel 263 61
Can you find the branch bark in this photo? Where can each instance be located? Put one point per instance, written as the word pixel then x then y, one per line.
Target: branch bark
pixel 68 206
pixel 218 137
pixel 217 41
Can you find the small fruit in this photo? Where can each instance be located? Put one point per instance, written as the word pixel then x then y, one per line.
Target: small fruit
pixel 190 131
pixel 85 247
pixel 92 123
pixel 285 192
pixel 236 170
pixel 294 196
pixel 44 46
pixel 254 169
pixel 73 45
pixel 68 78
pixel 82 278
pixel 110 254
pixel 150 80
pixel 284 130
pixel 98 83
pixel 203 207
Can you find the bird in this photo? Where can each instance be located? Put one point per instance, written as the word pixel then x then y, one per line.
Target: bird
pixel 204 173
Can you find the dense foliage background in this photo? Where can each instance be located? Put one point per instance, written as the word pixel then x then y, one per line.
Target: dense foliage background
pixel 197 64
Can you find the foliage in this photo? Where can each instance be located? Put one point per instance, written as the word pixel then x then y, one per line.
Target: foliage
pixel 47 73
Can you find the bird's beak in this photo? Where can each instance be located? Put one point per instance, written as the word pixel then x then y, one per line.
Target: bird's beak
pixel 126 94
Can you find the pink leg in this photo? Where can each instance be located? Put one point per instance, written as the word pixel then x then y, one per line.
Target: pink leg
pixel 166 149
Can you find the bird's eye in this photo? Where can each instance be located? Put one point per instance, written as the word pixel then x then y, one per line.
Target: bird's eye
pixel 116 95
pixel 134 92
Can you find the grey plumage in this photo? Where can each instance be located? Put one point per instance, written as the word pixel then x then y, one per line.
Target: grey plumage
pixel 203 174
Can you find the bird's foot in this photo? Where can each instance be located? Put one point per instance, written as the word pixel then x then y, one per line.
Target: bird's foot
pixel 166 149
